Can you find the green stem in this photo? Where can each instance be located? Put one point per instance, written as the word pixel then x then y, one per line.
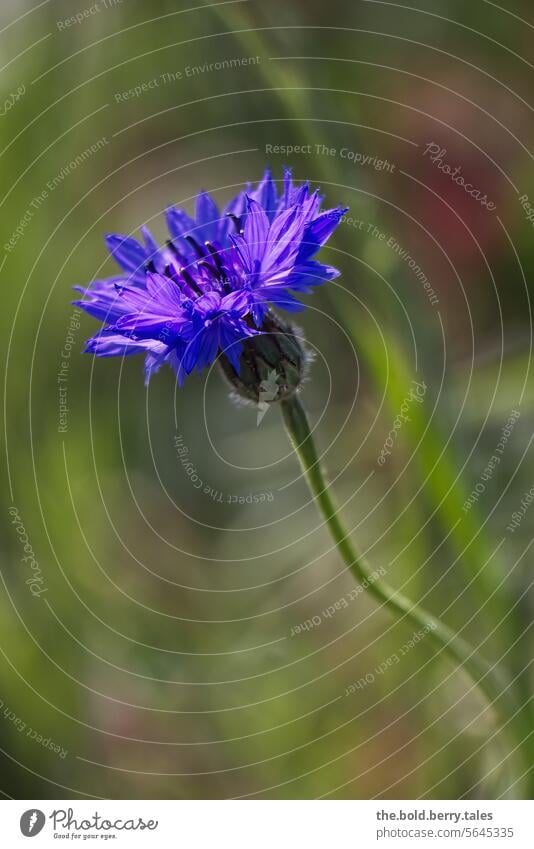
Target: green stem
pixel 495 688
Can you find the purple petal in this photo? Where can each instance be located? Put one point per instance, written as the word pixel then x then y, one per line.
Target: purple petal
pixel 310 273
pixel 232 334
pixel 208 303
pixel 256 230
pixel 164 291
pixel 152 246
pixel 243 253
pixel 237 205
pixel 127 252
pixel 151 326
pixel 190 355
pixel 155 358
pixel 207 216
pixel 288 188
pixel 279 297
pixel 179 223
pixel 103 301
pixel 318 231
pixel 238 301
pixel 265 193
pixel 115 345
pixel 285 236
pixel 208 346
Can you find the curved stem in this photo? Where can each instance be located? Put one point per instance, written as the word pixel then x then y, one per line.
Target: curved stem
pixel 495 688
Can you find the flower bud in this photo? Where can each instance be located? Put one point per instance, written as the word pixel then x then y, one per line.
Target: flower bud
pixel 273 363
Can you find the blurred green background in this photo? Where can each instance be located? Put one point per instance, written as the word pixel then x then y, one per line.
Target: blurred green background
pixel 157 655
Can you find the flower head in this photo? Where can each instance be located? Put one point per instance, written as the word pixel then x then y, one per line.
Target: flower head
pixel 209 288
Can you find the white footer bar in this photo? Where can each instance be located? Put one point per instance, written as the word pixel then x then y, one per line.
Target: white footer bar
pixel 268 824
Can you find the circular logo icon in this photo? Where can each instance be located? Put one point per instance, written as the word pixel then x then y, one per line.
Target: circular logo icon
pixel 32 822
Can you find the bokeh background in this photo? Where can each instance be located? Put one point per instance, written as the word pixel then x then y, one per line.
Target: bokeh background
pixel 158 654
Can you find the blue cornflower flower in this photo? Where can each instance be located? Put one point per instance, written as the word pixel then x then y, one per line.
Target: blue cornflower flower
pixel 209 288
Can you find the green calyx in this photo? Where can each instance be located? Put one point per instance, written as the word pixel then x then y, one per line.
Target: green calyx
pixel 273 364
